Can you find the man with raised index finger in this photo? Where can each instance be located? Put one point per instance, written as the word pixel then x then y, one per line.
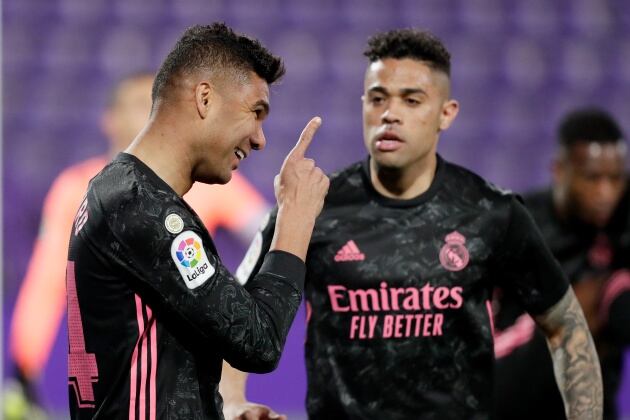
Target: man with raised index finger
pixel 404 258
pixel 152 310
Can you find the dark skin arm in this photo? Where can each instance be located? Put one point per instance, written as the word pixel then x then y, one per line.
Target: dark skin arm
pixel 575 361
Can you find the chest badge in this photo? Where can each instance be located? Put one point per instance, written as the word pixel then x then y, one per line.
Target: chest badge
pixel 174 223
pixel 454 255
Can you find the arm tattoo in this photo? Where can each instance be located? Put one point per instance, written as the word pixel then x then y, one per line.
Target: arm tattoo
pixel 575 361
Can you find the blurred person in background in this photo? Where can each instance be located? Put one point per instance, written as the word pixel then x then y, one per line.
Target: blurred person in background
pixel 584 217
pixel 236 207
pixel 403 261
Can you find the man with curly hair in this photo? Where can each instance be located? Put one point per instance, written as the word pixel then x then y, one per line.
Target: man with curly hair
pixel 404 258
pixel 152 311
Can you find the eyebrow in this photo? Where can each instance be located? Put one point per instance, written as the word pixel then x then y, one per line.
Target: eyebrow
pixel 403 92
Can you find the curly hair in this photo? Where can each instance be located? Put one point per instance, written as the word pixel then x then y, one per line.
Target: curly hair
pixel 588 125
pixel 216 47
pixel 409 43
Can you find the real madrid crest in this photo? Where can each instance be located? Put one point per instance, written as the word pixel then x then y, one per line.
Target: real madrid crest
pixel 174 223
pixel 454 255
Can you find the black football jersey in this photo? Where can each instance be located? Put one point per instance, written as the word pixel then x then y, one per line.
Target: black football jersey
pixel 398 294
pixel 590 257
pixel 152 312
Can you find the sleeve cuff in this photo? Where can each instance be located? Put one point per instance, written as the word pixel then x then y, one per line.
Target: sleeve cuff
pixel 552 298
pixel 286 265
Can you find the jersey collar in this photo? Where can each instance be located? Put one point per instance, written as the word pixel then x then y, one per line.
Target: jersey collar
pixel 394 202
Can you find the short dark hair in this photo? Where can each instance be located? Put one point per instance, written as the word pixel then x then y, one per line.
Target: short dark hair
pixel 216 46
pixel 588 125
pixel 409 43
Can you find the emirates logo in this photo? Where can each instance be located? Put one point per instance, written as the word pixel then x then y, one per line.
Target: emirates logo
pixel 454 255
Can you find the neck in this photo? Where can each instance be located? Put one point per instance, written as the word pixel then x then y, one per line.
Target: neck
pixel 403 183
pixel 160 146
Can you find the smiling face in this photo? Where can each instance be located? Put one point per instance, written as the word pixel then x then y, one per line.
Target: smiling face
pixel 232 127
pixel 405 106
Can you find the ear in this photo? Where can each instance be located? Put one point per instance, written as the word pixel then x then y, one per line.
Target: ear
pixel 203 98
pixel 450 109
pixel 558 171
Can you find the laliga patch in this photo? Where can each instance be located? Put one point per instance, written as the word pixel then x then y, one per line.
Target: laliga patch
pixel 191 259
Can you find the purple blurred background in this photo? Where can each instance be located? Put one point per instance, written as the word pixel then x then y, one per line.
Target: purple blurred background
pixel 517 67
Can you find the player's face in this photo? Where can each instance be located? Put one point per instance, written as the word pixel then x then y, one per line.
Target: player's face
pixel 405 106
pixel 593 177
pixel 234 129
pixel 129 112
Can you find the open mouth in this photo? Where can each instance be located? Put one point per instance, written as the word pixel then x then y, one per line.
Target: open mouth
pixel 388 136
pixel 240 154
pixel 388 141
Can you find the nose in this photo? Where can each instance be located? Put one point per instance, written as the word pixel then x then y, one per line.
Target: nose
pixel 390 115
pixel 258 140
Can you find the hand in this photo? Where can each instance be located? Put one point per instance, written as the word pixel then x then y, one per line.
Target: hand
pixel 250 411
pixel 301 185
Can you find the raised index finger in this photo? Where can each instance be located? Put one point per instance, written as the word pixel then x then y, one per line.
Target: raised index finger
pixel 306 137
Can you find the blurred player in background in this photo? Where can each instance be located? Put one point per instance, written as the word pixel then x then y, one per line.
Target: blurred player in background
pixel 41 303
pixel 585 219
pixel 403 261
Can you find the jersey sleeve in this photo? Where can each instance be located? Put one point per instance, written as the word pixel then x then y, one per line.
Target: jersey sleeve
pixel 255 254
pixel 186 281
pixel 525 266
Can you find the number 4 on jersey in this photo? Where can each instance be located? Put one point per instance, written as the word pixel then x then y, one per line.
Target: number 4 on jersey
pixel 82 368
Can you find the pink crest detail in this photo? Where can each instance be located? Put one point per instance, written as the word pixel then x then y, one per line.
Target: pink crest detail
pixel 454 256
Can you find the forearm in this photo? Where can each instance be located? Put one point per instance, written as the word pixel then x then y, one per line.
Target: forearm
pixel 232 385
pixel 293 232
pixel 575 361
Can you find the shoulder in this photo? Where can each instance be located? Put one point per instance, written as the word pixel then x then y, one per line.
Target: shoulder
pixel 347 184
pixel 125 187
pixel 472 190
pixel 540 205
pixel 350 174
pixel 117 181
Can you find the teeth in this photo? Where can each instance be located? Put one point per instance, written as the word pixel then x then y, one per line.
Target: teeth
pixel 239 154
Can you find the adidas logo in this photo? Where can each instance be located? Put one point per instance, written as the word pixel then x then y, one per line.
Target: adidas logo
pixel 349 252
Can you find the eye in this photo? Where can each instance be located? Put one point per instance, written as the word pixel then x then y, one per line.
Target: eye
pixel 377 100
pixel 260 114
pixel 412 101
